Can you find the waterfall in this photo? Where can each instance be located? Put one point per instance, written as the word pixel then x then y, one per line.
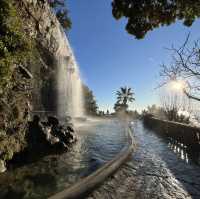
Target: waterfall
pixel 69 84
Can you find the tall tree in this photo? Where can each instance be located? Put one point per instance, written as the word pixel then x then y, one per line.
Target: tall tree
pixel 91 106
pixel 146 15
pixel 173 105
pixel 117 107
pixel 124 96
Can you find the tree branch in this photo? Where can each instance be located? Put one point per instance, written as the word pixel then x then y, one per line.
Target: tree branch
pixel 191 96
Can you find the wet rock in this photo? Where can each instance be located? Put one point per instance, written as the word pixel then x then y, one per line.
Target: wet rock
pixel 50 138
pixel 64 134
pixel 70 129
pixel 28 80
pixel 53 121
pixel 41 139
pixel 37 137
pixel 50 133
pixel 2 166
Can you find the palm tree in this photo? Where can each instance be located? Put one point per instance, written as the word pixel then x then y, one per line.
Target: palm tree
pixel 124 96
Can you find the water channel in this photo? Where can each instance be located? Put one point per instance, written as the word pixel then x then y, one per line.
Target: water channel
pixel 157 169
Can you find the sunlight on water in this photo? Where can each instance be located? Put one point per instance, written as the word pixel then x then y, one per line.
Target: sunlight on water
pixel 98 142
pixel 180 150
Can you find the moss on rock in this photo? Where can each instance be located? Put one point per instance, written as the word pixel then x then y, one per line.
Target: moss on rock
pixel 15 46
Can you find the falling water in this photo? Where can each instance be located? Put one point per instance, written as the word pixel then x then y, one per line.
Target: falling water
pixel 69 85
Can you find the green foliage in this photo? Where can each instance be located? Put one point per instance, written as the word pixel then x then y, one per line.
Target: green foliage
pixel 90 102
pixel 55 3
pixel 124 96
pixel 145 15
pixel 63 18
pixel 14 44
pixel 62 12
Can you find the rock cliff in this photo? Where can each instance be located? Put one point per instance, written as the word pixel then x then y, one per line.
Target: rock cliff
pixel 32 83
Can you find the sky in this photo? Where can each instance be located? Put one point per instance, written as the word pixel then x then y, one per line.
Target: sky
pixel 110 58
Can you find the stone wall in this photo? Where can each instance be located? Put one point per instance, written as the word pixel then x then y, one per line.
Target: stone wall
pixel 181 133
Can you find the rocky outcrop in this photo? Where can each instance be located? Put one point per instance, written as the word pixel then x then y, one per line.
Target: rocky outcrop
pixel 32 85
pixel 14 108
pixel 49 134
pixel 42 26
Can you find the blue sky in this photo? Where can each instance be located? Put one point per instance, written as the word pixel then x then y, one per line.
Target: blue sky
pixel 110 58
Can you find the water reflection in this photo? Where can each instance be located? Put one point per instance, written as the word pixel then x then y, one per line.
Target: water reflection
pixel 155 171
pixel 99 141
pixel 188 154
pixel 179 149
pixel 185 153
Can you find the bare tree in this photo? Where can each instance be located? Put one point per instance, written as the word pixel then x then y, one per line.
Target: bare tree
pixel 156 111
pixel 185 66
pixel 175 106
pixel 170 105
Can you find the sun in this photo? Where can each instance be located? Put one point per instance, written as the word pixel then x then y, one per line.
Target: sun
pixel 177 85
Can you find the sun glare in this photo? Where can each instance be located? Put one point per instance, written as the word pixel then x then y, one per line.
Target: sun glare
pixel 177 85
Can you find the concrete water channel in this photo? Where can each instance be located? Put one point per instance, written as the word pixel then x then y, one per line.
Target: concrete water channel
pixel 157 169
pixel 98 142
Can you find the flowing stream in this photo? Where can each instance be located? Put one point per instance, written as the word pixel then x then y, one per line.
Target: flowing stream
pixel 157 169
pixel 99 141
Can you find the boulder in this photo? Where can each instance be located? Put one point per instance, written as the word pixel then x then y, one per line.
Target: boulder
pixel 50 133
